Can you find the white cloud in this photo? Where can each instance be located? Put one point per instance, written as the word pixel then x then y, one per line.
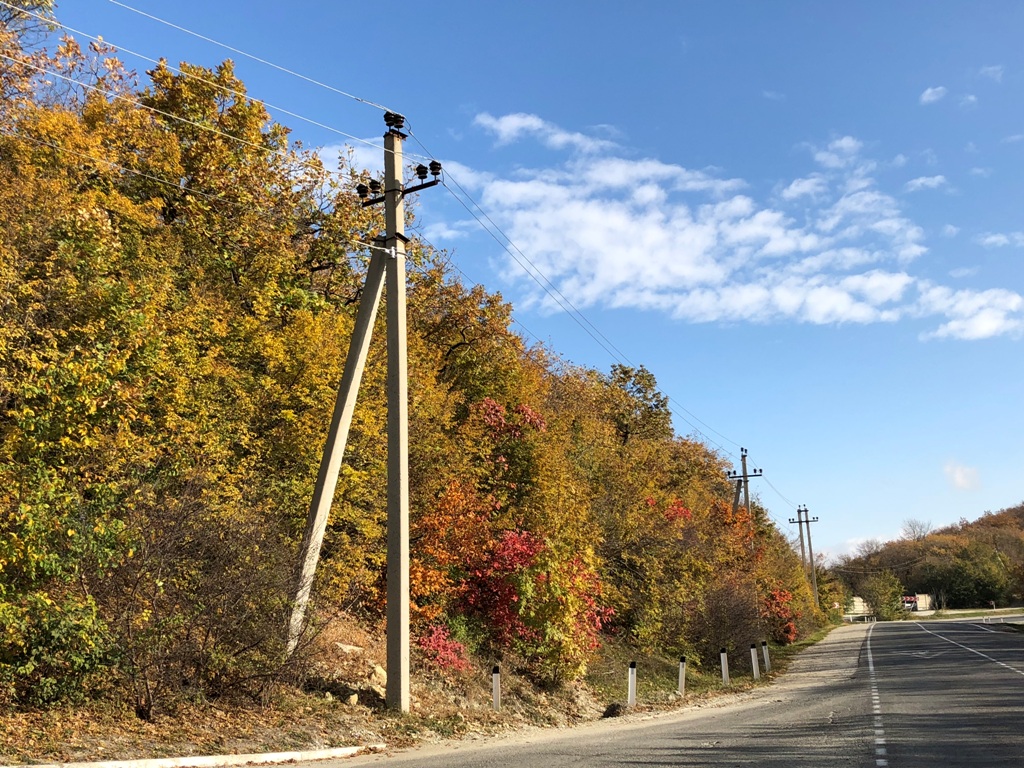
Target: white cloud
pixel 812 186
pixel 981 172
pixel 830 246
pixel 925 182
pixel 972 314
pixel 961 477
pixel 968 100
pixel 962 272
pixel 950 231
pixel 932 95
pixel 1001 240
pixel 840 153
pixel 993 73
pixel 993 240
pixel 510 128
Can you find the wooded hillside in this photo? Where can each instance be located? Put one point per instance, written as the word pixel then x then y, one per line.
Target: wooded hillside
pixel 178 282
pixel 977 564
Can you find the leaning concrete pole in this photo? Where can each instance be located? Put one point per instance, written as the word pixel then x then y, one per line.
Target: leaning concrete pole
pixel 397 689
pixel 334 449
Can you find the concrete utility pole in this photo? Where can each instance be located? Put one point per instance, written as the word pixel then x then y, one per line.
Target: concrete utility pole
pixel 800 526
pixel 807 520
pixel 742 482
pixel 397 689
pixel 387 265
pixel 334 450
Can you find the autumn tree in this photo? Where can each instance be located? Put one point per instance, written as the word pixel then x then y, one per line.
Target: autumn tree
pixel 883 591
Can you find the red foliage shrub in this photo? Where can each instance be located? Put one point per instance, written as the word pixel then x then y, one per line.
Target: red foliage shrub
pixel 444 652
pixel 779 617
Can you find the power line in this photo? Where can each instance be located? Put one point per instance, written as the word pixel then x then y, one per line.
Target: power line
pixel 162 113
pixel 206 81
pixel 253 57
pixel 779 493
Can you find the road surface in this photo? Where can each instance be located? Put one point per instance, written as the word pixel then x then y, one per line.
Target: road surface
pixel 907 694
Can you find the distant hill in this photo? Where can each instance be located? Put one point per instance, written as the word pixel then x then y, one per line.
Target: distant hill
pixel 970 564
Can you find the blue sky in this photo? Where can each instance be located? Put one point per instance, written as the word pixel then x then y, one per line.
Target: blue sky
pixel 804 218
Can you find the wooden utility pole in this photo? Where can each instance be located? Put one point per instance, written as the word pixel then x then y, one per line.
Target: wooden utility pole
pixel 387 267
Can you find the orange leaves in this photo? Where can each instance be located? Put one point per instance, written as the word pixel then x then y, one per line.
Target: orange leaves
pixel 449 536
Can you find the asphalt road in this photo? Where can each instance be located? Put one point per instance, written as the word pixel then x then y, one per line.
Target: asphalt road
pixel 951 693
pixel 905 694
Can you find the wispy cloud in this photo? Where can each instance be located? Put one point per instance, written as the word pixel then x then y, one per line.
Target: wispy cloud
pixel 993 73
pixel 773 95
pixel 950 231
pixel 1001 240
pixel 830 246
pixel 961 477
pixel 363 155
pixel 511 128
pixel 1014 138
pixel 840 153
pixel 812 186
pixel 968 100
pixel 981 172
pixel 932 95
pixel 925 182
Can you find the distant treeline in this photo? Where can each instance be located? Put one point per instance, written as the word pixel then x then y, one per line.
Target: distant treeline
pixel 976 564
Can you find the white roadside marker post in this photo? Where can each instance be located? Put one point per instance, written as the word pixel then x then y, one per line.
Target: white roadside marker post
pixel 496 687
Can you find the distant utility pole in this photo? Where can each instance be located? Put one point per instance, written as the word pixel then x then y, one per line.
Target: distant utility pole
pixel 742 483
pixel 800 525
pixel 387 266
pixel 804 518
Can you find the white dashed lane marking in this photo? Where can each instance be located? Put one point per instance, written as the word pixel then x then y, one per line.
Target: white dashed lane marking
pixel 881 757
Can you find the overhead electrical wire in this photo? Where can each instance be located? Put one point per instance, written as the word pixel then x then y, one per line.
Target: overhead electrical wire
pixel 253 57
pixel 490 227
pixel 198 78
